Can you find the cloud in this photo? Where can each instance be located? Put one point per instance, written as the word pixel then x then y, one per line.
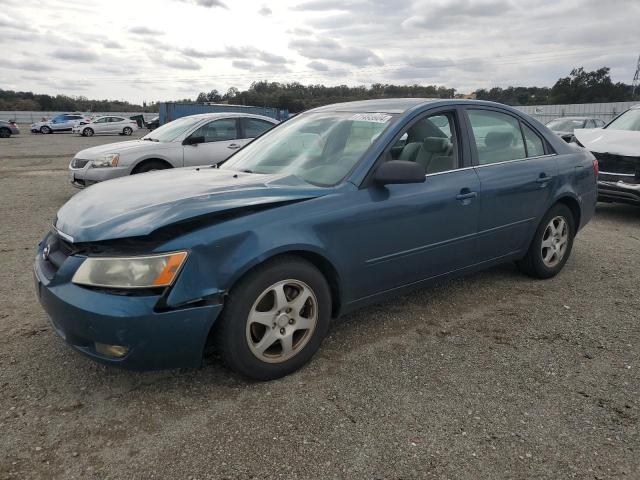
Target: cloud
pixel 246 52
pixel 111 45
pixel 444 14
pixel 180 63
pixel 260 67
pixel 75 55
pixel 141 30
pixel 328 49
pixel 265 11
pixel 207 3
pixel 27 65
pixel 318 66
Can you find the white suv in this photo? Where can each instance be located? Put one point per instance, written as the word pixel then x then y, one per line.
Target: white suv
pixel 205 139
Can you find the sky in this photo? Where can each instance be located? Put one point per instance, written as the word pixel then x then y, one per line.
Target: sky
pixel 154 50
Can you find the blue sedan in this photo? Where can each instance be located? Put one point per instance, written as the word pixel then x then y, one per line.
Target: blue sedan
pixel 339 207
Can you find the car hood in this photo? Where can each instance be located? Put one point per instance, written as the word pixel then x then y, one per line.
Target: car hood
pixel 140 204
pixel 604 140
pixel 130 146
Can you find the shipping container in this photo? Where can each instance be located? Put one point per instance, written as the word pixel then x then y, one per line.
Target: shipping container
pixel 170 111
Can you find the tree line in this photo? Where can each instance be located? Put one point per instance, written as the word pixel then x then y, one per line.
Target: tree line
pixel 579 86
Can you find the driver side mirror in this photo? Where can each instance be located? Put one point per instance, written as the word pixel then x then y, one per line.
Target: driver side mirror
pixel 399 171
pixel 193 140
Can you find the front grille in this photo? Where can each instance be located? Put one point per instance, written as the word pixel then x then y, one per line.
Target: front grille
pixel 59 251
pixel 79 163
pixel 609 162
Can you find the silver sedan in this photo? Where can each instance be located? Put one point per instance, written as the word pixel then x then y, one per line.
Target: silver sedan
pixel 205 139
pixel 8 128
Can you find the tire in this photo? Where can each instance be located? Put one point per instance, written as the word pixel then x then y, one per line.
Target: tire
pixel 127 131
pixel 87 132
pixel 254 326
pixel 149 166
pixel 5 133
pixel 551 245
pixel 45 130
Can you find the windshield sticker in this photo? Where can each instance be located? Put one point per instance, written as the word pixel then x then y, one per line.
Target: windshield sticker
pixel 372 117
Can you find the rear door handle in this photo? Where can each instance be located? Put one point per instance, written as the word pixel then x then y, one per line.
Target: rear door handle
pixel 233 146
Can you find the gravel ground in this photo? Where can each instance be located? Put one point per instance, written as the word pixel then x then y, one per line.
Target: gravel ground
pixel 492 376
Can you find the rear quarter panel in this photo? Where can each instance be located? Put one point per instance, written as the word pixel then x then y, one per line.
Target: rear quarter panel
pixel 578 181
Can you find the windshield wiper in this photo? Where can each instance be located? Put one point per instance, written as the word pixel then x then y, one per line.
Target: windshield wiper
pixel 151 139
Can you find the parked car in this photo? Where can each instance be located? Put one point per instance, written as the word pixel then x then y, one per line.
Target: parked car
pixel 108 124
pixel 617 148
pixel 205 139
pixel 154 123
pixel 334 209
pixel 8 128
pixel 564 126
pixel 59 123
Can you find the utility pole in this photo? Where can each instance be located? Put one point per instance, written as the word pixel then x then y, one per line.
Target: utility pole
pixel 636 79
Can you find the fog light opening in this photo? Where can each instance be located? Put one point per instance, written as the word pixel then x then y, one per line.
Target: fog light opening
pixel 116 351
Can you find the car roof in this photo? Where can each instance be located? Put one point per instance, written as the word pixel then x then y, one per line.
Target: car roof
pixel 400 105
pixel 230 114
pixel 574 118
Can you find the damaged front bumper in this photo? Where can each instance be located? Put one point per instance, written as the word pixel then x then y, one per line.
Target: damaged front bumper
pixel 619 178
pixel 623 188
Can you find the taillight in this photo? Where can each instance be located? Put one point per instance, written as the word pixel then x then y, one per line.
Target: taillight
pixel 596 167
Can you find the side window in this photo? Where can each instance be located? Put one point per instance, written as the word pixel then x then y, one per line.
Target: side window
pixel 535 147
pixel 497 136
pixel 430 142
pixel 254 127
pixel 116 119
pixel 217 131
pixel 102 120
pixel 599 124
pixel 590 124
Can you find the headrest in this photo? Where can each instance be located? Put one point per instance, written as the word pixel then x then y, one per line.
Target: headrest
pixel 498 139
pixel 436 144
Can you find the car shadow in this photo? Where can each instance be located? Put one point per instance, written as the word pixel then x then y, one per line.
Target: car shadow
pixel 618 211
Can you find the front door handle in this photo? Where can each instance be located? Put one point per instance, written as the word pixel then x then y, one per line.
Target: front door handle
pixel 233 146
pixel 543 179
pixel 465 196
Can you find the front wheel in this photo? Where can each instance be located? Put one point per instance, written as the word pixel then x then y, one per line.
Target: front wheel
pixel 5 133
pixel 551 245
pixel 45 130
pixel 127 131
pixel 274 319
pixel 87 132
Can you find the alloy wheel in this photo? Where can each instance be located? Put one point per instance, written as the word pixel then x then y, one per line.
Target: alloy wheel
pixel 555 240
pixel 282 321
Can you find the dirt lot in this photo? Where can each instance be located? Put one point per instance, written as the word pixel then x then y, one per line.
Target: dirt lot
pixel 492 376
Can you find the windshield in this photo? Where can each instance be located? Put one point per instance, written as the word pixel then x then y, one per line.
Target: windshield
pixel 172 130
pixel 321 148
pixel 565 125
pixel 629 120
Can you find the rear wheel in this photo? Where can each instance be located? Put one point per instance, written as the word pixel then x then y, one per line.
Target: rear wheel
pixel 44 129
pixel 127 131
pixel 87 132
pixel 551 245
pixel 274 319
pixel 5 133
pixel 149 166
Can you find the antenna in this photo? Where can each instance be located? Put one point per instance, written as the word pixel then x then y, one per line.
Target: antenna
pixel 636 79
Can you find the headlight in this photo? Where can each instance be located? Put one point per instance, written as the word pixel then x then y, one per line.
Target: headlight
pixel 130 272
pixel 109 160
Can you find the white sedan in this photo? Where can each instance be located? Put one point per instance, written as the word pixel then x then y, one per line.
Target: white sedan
pixel 106 125
pixel 205 139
